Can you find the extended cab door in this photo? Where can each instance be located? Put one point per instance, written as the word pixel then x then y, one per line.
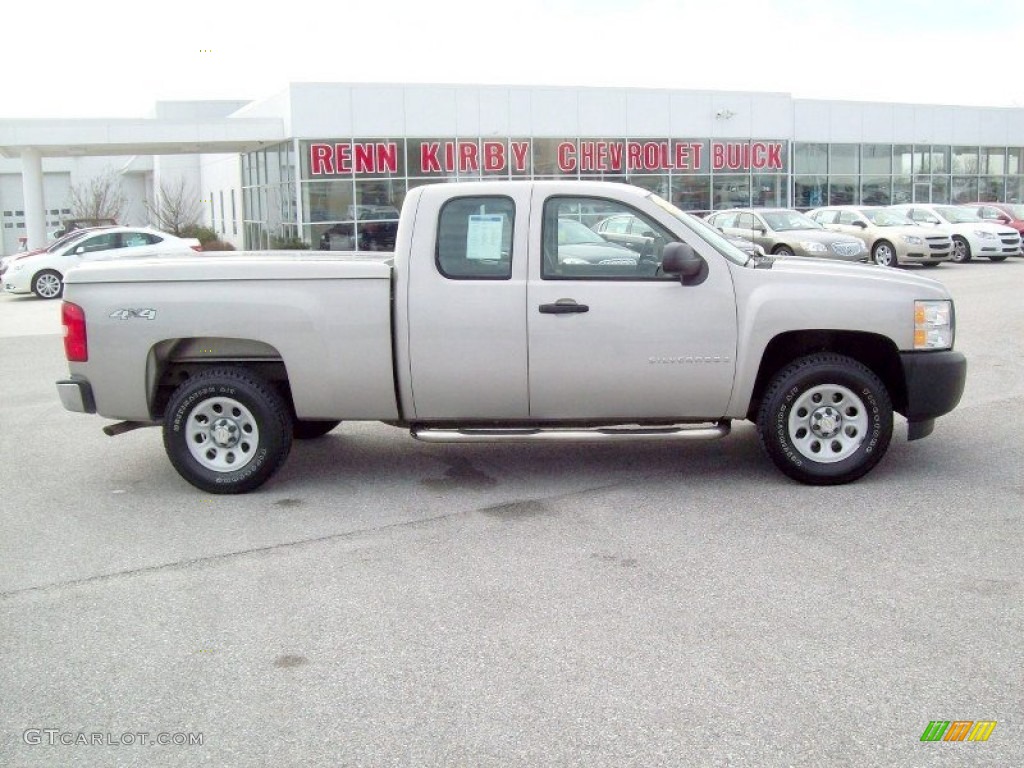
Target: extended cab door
pixel 466 299
pixel 612 338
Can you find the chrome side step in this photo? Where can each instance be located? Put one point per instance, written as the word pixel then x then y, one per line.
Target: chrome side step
pixel 597 434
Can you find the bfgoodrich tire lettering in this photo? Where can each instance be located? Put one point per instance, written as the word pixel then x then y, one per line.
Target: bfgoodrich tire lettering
pixel 825 419
pixel 226 430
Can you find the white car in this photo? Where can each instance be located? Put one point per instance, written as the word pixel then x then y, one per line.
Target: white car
pixel 972 235
pixel 43 273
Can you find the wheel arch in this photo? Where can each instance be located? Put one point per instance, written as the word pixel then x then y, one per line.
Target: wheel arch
pixel 171 362
pixel 877 352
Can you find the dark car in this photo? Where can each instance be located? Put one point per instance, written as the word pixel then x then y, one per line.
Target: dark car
pixel 578 244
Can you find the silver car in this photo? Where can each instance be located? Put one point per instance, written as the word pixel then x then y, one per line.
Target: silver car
pixel 785 232
pixel 892 238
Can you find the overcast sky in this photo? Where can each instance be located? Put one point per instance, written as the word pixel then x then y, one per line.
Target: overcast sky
pixel 116 58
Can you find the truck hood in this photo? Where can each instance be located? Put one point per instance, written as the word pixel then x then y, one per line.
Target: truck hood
pixel 834 274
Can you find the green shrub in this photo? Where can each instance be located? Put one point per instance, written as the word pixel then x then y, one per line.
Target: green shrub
pixel 203 234
pixel 217 245
pixel 288 244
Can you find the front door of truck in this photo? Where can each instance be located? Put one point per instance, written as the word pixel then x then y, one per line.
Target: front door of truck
pixel 610 337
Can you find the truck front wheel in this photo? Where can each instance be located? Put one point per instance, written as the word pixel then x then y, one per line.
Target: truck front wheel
pixel 825 419
pixel 227 430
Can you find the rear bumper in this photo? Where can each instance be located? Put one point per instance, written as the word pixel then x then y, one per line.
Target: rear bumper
pixel 935 382
pixel 76 395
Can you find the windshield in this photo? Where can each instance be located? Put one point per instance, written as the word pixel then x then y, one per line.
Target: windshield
pixel 704 230
pixel 1017 211
pixel 782 221
pixel 574 232
pixel 957 215
pixel 882 218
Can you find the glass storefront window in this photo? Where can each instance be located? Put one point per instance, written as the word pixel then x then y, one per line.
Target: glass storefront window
pixel 842 190
pixel 964 189
pixel 692 193
pixel 810 191
pixel 659 185
pixel 768 190
pixel 731 191
pixel 328 200
pixel 922 160
pixel 843 159
pixel 940 189
pixel 876 159
pixel 990 189
pixel 1015 189
pixel 902 189
pixel 993 161
pixel 876 190
pixel 545 159
pixel 1013 161
pixel 940 159
pixel 965 160
pixel 902 159
pixel 810 158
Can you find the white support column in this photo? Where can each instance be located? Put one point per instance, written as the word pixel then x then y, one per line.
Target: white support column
pixel 32 190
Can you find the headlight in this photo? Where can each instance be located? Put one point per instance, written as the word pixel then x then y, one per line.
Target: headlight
pixel 912 240
pixel 933 324
pixel 986 235
pixel 814 247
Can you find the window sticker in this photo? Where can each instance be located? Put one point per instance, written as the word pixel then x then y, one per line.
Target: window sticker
pixel 483 237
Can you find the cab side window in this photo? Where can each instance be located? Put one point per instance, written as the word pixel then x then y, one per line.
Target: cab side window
pixel 99 243
pixel 619 243
pixel 846 217
pixel 474 238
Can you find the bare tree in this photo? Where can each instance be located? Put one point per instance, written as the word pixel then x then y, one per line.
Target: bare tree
pixel 177 207
pixel 101 197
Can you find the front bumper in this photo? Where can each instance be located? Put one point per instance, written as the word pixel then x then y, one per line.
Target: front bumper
pixel 935 383
pixel 76 395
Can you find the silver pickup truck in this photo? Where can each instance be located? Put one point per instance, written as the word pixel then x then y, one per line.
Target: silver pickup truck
pixel 503 315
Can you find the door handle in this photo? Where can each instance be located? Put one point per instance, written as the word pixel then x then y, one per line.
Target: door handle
pixel 563 307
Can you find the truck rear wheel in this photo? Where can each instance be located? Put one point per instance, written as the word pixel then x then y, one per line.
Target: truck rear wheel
pixel 825 419
pixel 227 430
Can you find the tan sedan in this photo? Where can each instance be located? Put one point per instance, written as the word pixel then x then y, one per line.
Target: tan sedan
pixel 892 238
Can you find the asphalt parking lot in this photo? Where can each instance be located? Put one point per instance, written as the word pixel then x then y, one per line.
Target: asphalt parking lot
pixel 384 602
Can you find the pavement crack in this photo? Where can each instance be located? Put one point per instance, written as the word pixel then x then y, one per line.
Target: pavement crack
pixel 227 556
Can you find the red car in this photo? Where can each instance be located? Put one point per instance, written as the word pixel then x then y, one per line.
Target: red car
pixel 1010 214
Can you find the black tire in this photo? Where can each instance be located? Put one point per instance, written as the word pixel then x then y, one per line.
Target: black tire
pixel 48 284
pixel 825 419
pixel 782 250
pixel 961 250
pixel 997 258
pixel 207 423
pixel 310 430
pixel 884 254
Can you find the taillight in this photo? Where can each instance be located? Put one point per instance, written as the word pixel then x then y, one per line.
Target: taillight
pixel 76 344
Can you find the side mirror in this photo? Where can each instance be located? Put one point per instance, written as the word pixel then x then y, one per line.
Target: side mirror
pixel 680 259
pixel 80 250
pixel 860 224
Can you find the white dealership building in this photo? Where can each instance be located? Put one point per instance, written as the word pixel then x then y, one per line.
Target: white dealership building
pixel 329 164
